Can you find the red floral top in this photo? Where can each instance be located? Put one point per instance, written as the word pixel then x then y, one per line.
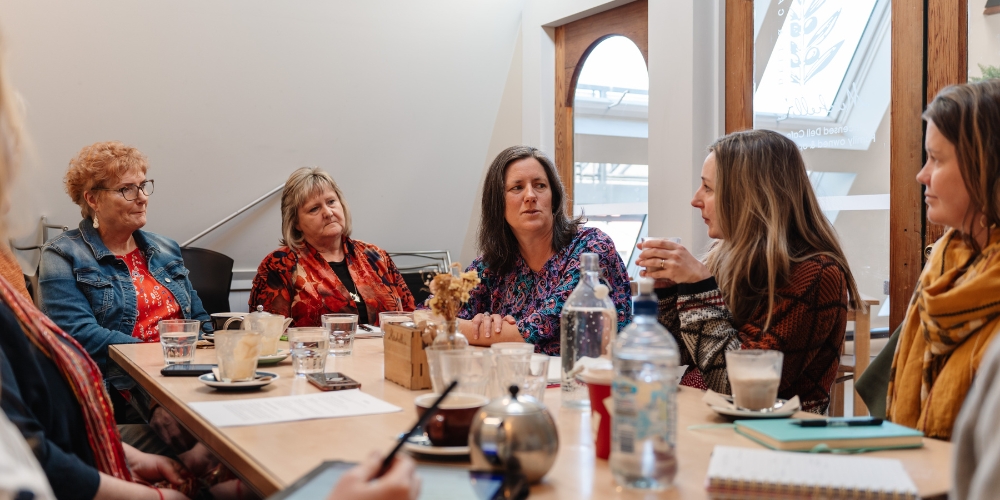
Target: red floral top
pixel 153 301
pixel 301 285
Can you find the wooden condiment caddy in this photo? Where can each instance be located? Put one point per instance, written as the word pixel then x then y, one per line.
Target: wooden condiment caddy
pixel 405 358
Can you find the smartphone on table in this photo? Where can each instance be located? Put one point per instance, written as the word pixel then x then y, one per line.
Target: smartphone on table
pixel 189 370
pixel 333 381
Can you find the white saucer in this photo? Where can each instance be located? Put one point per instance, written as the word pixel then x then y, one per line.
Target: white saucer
pixel 781 412
pixel 273 359
pixel 440 451
pixel 209 380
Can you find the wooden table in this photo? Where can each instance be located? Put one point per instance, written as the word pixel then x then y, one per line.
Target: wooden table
pixel 270 457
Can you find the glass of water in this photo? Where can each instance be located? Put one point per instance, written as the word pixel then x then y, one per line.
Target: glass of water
pixel 178 338
pixel 392 317
pixel 341 328
pixel 309 347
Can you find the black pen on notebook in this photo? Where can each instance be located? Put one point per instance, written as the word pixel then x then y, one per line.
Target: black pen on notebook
pixel 365 327
pixel 844 422
pixel 420 423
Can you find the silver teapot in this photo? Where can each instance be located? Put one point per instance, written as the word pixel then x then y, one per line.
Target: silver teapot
pixel 514 434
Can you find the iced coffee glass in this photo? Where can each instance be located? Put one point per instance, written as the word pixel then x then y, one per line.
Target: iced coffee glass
pixel 237 352
pixel 754 376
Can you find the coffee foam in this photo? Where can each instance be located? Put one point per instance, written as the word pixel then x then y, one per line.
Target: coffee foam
pixel 454 401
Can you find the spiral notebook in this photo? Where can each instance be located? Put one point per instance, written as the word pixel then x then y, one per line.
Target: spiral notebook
pixel 755 473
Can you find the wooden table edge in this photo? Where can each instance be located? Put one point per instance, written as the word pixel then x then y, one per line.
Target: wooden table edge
pixel 228 451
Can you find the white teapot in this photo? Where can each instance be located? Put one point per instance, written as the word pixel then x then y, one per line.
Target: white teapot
pixel 270 326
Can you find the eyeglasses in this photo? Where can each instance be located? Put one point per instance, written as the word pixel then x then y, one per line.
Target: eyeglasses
pixel 130 193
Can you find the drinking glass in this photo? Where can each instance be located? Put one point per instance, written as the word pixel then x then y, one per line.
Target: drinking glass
pixel 536 380
pixel 341 328
pixel 393 317
pixel 237 352
pixel 470 367
pixel 511 362
pixel 754 375
pixel 178 338
pixel 434 365
pixel 309 347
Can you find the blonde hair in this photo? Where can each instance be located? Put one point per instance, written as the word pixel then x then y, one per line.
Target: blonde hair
pixel 100 165
pixel 303 183
pixel 769 218
pixel 11 139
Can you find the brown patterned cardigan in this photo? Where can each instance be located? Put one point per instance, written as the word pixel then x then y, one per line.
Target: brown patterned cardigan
pixel 810 315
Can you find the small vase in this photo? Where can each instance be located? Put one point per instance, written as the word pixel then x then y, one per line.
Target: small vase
pixel 449 335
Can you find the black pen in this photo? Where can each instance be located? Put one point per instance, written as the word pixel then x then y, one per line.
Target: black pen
pixel 846 422
pixel 365 327
pixel 420 423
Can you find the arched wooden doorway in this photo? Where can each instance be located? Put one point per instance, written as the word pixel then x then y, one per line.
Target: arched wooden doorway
pixel 574 41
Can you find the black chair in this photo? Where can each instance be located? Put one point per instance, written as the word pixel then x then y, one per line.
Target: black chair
pixel 211 276
pixel 417 283
pixel 418 268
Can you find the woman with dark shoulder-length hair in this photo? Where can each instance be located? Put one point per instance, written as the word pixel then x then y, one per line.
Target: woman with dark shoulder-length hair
pixel 530 260
pixel 320 269
pixel 776 277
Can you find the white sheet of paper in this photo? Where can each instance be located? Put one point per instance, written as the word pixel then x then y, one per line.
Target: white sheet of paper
pixel 260 411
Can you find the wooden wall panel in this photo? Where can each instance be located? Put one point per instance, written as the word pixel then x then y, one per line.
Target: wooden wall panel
pixel 906 202
pixel 739 65
pixel 947 60
pixel 574 41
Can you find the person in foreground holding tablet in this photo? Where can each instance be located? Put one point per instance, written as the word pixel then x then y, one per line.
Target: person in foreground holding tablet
pixel 320 269
pixel 776 278
pixel 400 482
pixel 954 313
pixel 531 256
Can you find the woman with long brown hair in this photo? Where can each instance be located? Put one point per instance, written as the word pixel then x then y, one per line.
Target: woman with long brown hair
pixel 955 310
pixel 776 278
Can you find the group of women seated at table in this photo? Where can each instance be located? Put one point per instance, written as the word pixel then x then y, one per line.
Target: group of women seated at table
pixel 775 278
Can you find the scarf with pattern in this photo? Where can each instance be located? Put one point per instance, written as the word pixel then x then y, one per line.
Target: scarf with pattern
pixel 83 377
pixel 953 315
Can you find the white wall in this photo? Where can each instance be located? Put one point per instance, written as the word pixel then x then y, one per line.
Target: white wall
pixel 398 100
pixel 405 103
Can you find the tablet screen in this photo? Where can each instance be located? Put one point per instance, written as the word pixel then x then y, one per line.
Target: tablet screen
pixel 437 482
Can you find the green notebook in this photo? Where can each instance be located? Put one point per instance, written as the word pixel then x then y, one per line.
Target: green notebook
pixel 784 434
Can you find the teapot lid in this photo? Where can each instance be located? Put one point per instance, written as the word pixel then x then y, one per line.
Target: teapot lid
pixel 514 404
pixel 259 313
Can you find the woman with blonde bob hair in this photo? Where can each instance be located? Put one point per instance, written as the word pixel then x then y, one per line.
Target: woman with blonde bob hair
pixel 776 277
pixel 319 269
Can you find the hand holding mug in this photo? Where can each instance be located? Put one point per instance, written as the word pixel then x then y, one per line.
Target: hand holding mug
pixel 669 262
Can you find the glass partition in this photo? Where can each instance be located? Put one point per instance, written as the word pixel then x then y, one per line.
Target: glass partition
pixel 611 171
pixel 822 78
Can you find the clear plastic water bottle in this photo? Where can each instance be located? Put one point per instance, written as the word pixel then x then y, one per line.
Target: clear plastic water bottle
pixel 644 390
pixel 588 317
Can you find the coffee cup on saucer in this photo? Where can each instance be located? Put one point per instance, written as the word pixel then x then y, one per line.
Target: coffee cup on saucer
pixel 450 426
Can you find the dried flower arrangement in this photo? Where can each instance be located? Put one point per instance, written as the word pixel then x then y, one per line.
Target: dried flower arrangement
pixel 450 292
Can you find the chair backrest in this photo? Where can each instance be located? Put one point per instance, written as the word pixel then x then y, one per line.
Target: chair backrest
pixel 211 276
pixel 419 267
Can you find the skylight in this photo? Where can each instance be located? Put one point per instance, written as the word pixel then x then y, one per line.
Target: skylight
pixel 811 56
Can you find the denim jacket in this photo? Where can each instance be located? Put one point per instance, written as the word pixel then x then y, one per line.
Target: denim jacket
pixel 89 293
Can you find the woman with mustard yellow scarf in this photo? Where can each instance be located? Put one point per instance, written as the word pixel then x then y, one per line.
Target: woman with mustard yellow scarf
pixel 955 309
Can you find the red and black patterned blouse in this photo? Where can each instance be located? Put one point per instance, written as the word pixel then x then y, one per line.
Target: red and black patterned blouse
pixel 301 285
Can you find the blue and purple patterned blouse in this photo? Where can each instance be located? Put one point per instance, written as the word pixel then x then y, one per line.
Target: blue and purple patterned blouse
pixel 536 299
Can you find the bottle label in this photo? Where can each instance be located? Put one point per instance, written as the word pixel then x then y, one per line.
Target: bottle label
pixel 643 411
